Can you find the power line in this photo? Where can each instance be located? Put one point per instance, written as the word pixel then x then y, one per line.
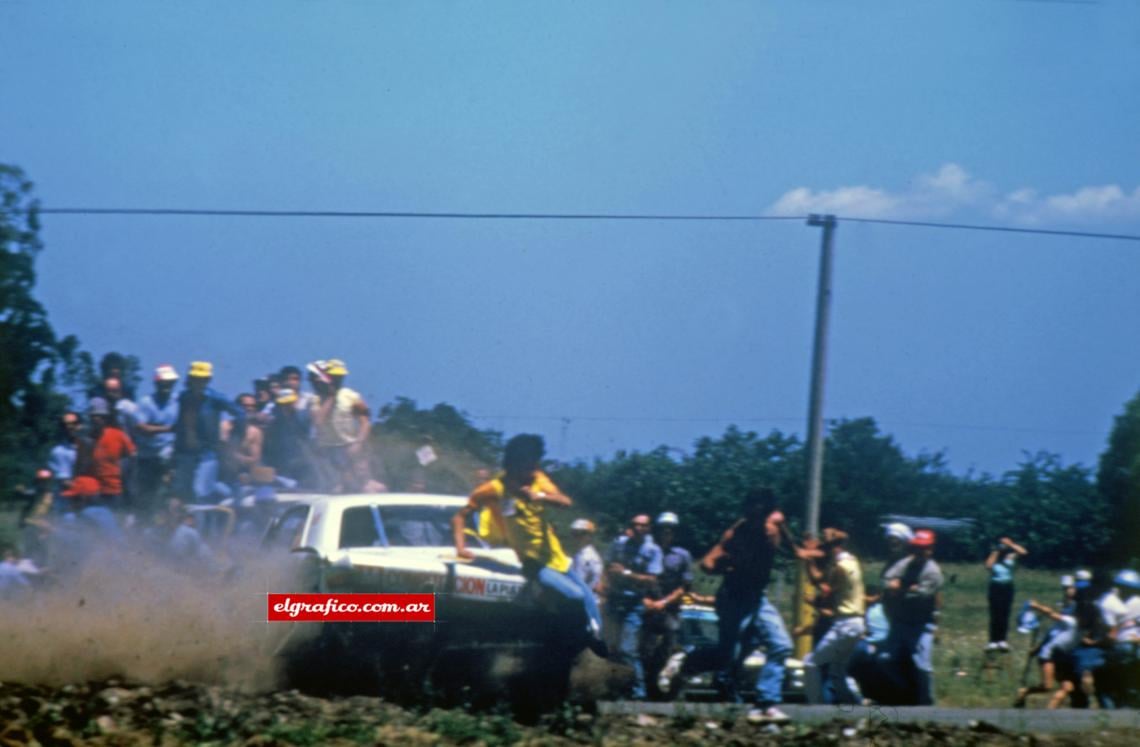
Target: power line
pixel 411 214
pixel 731 420
pixel 1005 229
pixel 429 215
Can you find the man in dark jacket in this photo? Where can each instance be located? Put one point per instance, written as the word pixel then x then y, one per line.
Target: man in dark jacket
pixel 197 435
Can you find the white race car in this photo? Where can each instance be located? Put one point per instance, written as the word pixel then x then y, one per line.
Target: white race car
pixel 396 542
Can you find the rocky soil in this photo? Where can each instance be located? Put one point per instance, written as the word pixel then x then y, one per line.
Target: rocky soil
pixel 114 712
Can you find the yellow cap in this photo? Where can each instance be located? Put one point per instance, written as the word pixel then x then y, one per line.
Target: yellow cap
pixel 335 367
pixel 201 370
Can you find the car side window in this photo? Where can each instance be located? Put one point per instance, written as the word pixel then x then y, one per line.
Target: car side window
pixel 286 532
pixel 358 528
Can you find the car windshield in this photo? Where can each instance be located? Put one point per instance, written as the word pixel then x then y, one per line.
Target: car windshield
pixel 398 526
pixel 417 526
pixel 698 627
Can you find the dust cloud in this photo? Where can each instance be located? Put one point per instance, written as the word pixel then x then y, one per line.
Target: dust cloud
pixel 125 614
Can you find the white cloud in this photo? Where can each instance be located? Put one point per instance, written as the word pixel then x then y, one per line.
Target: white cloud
pixel 931 195
pixel 1101 204
pixel 952 190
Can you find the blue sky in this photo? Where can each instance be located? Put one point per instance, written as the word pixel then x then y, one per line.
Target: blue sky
pixel 638 334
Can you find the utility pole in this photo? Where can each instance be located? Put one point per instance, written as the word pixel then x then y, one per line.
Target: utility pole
pixel 803 610
pixel 818 369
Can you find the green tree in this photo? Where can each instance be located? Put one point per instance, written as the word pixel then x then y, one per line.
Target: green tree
pixel 1118 481
pixel 34 360
pixel 1052 509
pixel 462 451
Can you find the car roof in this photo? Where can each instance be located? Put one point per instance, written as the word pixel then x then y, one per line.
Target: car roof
pixel 380 499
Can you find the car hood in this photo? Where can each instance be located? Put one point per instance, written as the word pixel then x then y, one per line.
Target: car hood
pixel 494 575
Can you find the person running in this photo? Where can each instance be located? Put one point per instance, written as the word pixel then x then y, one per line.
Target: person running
pixel 1000 564
pixel 1053 655
pixel 517 500
pixel 744 556
pixel 843 582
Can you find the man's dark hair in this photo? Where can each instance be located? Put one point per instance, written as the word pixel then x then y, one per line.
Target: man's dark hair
pixel 523 452
pixel 760 496
pixel 289 371
pixel 110 362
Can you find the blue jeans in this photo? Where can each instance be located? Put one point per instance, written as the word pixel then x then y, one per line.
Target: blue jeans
pixel 624 636
pixel 744 625
pixel 196 477
pixel 573 589
pixel 102 520
pixel 911 649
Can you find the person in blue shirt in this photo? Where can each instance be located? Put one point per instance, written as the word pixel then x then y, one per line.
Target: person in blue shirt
pixel 197 434
pixel 155 417
pixel 634 563
pixel 1000 564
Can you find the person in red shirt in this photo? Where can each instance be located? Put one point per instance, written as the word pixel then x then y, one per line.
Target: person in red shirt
pixel 112 452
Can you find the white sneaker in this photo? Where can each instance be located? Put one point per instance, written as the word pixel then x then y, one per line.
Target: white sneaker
pixel 991 646
pixel 670 671
pixel 769 715
pixel 1003 646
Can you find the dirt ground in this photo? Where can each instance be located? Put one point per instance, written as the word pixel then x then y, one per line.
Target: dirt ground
pixel 113 712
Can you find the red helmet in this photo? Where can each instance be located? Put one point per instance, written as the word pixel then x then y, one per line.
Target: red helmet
pixel 923 538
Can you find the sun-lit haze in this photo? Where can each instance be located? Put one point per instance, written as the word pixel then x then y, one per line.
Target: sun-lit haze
pixel 605 335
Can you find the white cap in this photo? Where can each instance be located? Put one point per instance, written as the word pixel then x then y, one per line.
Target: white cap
pixel 582 525
pixel 900 531
pixel 165 372
pixel 1067 581
pixel 668 519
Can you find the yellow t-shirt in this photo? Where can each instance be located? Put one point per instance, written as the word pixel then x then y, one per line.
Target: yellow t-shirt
pixel 846 580
pixel 520 522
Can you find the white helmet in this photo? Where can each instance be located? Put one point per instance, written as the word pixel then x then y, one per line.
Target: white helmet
pixel 900 531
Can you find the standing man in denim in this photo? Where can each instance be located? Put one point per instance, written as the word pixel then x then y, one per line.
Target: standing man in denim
pixel 155 418
pixel 197 435
pixel 634 563
pixel 747 619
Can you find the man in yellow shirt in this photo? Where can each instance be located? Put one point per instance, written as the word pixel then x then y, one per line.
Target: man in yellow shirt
pixel 842 583
pixel 516 502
